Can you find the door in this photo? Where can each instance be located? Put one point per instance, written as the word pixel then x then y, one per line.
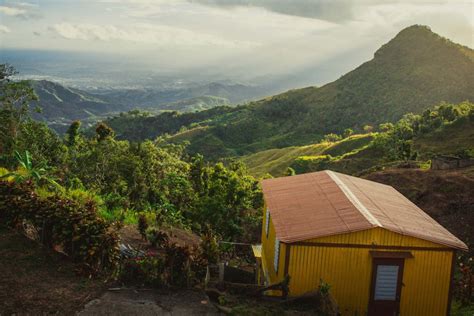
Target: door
pixel 387 276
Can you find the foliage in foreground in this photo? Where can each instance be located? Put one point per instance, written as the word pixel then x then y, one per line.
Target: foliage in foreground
pixel 62 224
pixel 125 179
pixel 167 263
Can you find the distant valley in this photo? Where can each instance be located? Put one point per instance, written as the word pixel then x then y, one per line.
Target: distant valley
pixel 61 105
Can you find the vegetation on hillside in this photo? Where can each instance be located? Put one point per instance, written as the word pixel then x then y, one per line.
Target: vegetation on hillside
pixel 415 70
pixel 277 161
pixel 411 139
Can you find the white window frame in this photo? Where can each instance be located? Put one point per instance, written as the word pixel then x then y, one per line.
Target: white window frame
pixel 267 222
pixel 276 258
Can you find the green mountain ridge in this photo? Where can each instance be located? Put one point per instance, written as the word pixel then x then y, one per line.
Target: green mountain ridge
pixel 415 70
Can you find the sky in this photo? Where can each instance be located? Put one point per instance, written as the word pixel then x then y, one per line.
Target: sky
pixel 261 37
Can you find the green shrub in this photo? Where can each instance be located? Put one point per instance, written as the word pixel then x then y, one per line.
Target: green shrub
pixel 157 238
pixel 60 222
pixel 324 287
pixel 209 247
pixel 142 225
pixel 331 138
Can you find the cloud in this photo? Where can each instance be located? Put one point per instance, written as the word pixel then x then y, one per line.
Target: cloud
pixel 21 10
pixel 162 35
pixel 335 10
pixel 329 10
pixel 27 4
pixel 4 29
pixel 11 11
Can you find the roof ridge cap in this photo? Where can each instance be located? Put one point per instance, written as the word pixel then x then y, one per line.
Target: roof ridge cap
pixel 354 200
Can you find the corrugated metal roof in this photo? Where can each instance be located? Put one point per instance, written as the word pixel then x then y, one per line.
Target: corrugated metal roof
pixel 328 203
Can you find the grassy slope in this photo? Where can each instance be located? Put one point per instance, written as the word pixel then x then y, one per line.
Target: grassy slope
pixel 352 154
pixel 34 281
pixel 276 161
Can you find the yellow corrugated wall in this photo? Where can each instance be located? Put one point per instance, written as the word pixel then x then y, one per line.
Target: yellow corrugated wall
pixel 426 276
pixel 268 252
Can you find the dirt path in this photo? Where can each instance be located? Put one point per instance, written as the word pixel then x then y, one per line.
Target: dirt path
pixel 149 302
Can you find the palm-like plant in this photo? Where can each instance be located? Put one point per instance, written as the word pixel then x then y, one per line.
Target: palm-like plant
pixel 28 172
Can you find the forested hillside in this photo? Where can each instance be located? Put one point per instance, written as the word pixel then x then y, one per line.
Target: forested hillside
pixel 415 70
pixel 445 129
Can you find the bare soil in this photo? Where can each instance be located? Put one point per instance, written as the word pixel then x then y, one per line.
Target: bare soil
pixel 36 281
pixel 130 235
pixel 149 302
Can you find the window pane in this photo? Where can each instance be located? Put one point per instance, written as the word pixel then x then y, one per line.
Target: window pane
pixel 267 221
pixel 276 258
pixel 386 283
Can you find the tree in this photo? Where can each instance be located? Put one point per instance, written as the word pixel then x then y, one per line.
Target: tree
pixel 385 127
pixel 368 128
pixel 72 133
pixel 290 172
pixel 405 151
pixel 103 132
pixel 15 97
pixel 348 132
pixel 332 138
pixel 447 112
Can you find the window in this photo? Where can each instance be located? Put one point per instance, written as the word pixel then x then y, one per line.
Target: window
pixel 267 221
pixel 386 283
pixel 276 258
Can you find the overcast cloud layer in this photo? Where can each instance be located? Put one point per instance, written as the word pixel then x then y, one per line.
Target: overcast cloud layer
pixel 261 37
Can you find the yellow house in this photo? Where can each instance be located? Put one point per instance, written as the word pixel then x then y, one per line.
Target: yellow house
pixel 379 253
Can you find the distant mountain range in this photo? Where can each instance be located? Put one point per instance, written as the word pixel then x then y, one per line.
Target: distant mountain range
pixel 151 98
pixel 415 70
pixel 60 105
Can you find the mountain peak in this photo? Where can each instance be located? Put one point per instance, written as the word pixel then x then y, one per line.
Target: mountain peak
pixel 416 29
pixel 416 40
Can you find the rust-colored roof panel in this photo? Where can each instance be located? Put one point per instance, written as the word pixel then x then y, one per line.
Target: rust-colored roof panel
pixel 327 203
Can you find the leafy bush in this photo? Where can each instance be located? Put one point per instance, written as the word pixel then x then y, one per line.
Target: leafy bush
pixel 324 287
pixel 142 225
pixel 77 230
pixel 178 265
pixel 157 238
pixel 209 247
pixel 330 138
pixel 314 163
